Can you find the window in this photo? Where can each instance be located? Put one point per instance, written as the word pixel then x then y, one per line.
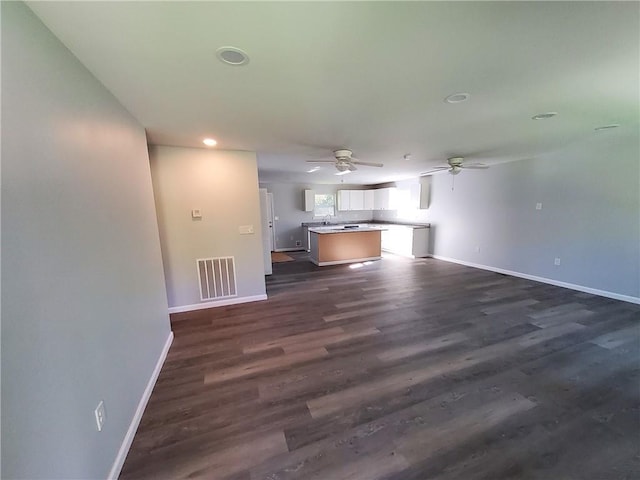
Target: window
pixel 324 205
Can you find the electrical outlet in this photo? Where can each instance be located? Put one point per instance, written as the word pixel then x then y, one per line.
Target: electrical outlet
pixel 538 206
pixel 477 248
pixel 298 243
pixel 101 415
pixel 556 262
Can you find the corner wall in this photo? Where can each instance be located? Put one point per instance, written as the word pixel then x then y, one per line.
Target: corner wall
pixel 84 310
pixel 223 185
pixel 590 216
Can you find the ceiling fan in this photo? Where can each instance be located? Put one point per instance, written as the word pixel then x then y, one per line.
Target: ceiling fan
pixel 455 166
pixel 344 162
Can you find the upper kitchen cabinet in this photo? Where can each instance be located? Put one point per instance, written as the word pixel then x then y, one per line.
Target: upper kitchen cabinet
pixel 385 199
pixel 308 200
pixel 352 200
pixel 389 198
pixel 344 200
pixel 356 200
pixel 369 203
pixel 425 192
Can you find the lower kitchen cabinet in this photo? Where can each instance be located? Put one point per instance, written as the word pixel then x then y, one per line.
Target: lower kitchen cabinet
pixel 406 240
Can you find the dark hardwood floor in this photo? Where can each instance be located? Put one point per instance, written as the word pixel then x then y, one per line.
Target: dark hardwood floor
pixel 401 369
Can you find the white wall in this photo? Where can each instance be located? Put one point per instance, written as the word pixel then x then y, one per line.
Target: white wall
pixel 224 186
pixel 84 310
pixel 288 206
pixel 590 218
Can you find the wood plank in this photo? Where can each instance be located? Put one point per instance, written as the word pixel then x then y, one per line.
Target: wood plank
pixel 611 340
pixel 551 320
pixel 502 307
pixel 359 313
pixel 260 366
pixel 332 340
pixel 422 347
pixel 293 339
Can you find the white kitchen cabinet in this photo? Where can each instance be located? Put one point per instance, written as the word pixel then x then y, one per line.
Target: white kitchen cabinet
pixel 344 200
pixel 309 200
pixel 351 200
pixel 406 240
pixel 414 196
pixel 368 200
pixel 425 191
pixel 356 199
pixel 385 199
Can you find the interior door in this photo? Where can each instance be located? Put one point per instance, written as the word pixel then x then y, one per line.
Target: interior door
pixel 266 231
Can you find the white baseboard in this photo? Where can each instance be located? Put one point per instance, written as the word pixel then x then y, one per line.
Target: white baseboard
pixel 219 303
pixel 290 249
pixel 135 421
pixel 557 283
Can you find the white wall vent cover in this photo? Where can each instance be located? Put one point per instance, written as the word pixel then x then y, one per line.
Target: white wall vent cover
pixel 217 277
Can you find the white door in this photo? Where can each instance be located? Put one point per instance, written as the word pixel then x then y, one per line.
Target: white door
pixel 266 231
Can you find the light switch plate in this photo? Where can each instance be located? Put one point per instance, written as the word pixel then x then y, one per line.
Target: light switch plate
pixel 196 213
pixel 100 415
pixel 245 229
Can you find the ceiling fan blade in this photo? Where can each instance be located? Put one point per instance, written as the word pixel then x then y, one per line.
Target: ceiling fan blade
pixel 368 164
pixel 441 168
pixel 475 165
pixel 321 161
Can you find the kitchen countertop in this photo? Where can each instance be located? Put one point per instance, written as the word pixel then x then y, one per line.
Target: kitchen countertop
pixel 339 229
pixel 368 223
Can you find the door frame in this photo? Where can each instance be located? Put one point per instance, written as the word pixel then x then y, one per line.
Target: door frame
pixel 265 223
pixel 272 223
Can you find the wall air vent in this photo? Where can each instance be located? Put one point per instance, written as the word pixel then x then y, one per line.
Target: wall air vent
pixel 217 277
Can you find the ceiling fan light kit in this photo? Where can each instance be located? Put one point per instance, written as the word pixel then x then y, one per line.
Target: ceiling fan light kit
pixel 344 162
pixel 455 166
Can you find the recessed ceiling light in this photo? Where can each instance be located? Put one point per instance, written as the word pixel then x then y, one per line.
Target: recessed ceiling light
pixel 544 116
pixel 607 127
pixel 343 173
pixel 209 142
pixel 232 56
pixel 457 98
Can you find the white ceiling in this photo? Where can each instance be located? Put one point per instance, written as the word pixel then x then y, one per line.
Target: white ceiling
pixel 369 76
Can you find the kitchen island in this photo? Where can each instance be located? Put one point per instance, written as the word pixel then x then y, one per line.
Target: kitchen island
pixel 345 244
